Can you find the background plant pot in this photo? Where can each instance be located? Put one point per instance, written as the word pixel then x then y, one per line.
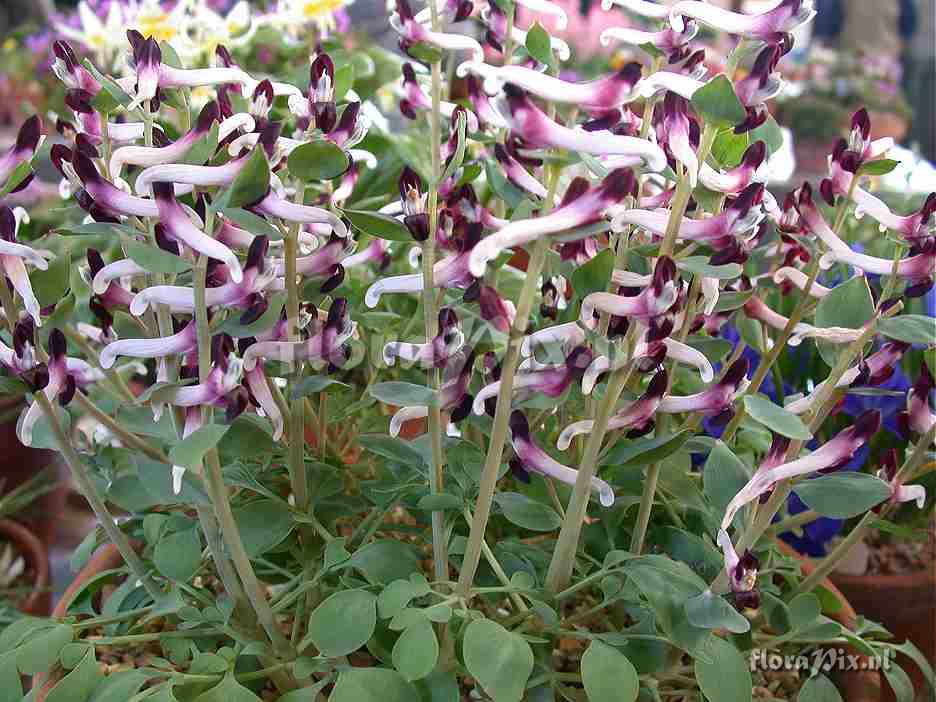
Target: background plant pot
pixel 904 604
pixel 106 558
pixel 34 553
pixel 20 463
pixel 855 685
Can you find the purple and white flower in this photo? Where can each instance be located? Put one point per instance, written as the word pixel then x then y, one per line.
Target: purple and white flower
pixel 532 459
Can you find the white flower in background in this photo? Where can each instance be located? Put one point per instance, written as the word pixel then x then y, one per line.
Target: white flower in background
pixel 151 19
pixel 105 39
pixel 207 29
pixel 295 16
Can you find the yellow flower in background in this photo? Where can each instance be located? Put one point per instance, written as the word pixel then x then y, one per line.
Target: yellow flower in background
pixel 294 16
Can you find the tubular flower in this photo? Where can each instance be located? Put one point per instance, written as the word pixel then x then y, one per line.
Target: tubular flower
pixel 325 345
pixel 21 360
pixel 59 385
pixel 241 292
pixel 24 148
pixel 655 299
pixel 769 26
pixel 916 268
pixel 919 415
pixel 185 176
pixel 13 259
pixel 258 385
pixel 637 417
pixel 916 227
pixel 717 399
pixel 874 370
pixel 666 40
pixel 487 113
pixel 414 100
pixel 581 205
pixel 554 297
pixel 834 454
pixel 734 181
pixel 532 459
pixel 152 74
pixel 181 229
pixel 450 272
pixel 105 196
pixel 377 250
pixel 68 69
pixel 220 388
pixel 598 95
pixel 454 397
pixel 761 84
pixel 794 277
pixel 683 85
pixel 114 294
pixel 517 174
pixel 495 310
pixel 326 262
pixel 413 199
pixel 182 342
pixel 275 206
pixel 551 381
pixel 567 335
pixel 154 155
pixel 741 216
pixel 537 130
pixel 675 129
pixel 432 354
pixel 742 573
pixel 899 491
pixel 412 32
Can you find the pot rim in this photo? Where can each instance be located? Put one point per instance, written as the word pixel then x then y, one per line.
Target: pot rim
pixel 36 556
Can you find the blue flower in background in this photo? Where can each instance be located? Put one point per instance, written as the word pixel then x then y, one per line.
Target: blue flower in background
pixel 817 534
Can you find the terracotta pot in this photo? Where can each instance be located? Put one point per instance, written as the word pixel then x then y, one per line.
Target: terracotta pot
pixel 855 685
pixel 811 156
pixel 21 463
pixel 106 558
pixel 34 553
pixel 915 617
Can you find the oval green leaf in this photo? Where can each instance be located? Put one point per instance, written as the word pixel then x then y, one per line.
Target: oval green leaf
pixel 776 418
pixel 343 623
pixel 843 495
pixel 608 675
pixel 317 160
pixel 499 660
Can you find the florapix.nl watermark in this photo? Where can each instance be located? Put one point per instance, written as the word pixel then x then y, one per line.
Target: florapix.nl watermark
pixel 824 660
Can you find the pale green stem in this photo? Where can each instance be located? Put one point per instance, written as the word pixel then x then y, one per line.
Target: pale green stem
pixel 563 558
pixel 90 492
pixel 794 522
pixel 498 569
pixel 297 470
pixel 495 453
pixel 683 193
pixel 217 491
pixel 430 313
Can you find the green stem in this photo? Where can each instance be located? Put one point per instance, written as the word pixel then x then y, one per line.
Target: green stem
pixel 297 470
pixel 498 569
pixel 87 487
pixel 794 522
pixel 683 193
pixel 217 491
pixel 495 453
pixel 563 558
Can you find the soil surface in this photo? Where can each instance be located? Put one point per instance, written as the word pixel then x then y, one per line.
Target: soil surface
pixel 889 556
